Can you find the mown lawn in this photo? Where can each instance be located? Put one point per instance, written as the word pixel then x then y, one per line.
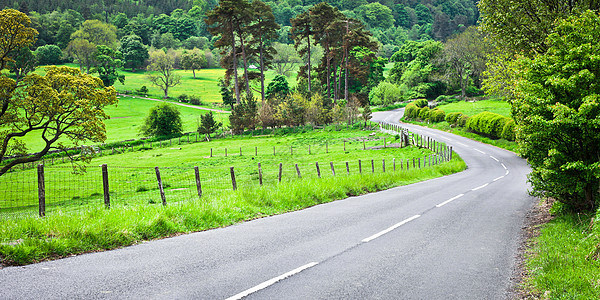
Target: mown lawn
pixel 475 107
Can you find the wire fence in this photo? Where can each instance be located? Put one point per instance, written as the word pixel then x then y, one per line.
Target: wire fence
pixel 50 189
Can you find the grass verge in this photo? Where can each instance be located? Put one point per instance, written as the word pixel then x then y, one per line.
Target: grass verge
pixel 563 262
pixel 30 240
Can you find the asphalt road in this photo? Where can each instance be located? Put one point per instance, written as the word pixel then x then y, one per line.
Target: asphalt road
pixel 454 237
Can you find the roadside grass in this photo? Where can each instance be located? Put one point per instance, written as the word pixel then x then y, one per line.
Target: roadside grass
pixel 32 239
pixel 564 261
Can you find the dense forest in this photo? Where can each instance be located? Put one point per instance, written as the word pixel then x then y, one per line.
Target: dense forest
pixel 391 22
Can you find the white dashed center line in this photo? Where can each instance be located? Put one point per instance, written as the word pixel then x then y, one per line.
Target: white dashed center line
pixel 494 158
pixel 480 187
pixel 449 200
pixel 478 150
pixel 389 229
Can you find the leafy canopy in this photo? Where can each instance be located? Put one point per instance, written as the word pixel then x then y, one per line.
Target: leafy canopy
pixel 557 110
pixel 163 120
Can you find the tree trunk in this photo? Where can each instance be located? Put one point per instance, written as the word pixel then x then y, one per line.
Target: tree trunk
pixel 262 71
pixel 234 58
pixel 245 61
pixel 194 72
pixel 309 80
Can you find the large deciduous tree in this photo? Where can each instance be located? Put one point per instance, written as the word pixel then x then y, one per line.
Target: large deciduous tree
pixel 162 71
pixel 134 52
pixel 557 110
pixel 64 103
pixel 163 120
pixel 193 60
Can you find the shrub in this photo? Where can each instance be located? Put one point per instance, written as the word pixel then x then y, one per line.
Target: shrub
pixel 462 121
pixel 183 98
pixel 508 132
pixel 143 90
pixel 437 115
pixel 488 123
pixel 385 93
pixel 411 111
pixel 48 55
pixel 196 100
pixel 420 102
pixel 452 118
pixel 164 119
pixel 424 113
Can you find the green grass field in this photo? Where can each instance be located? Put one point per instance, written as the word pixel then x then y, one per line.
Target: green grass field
pixel 473 108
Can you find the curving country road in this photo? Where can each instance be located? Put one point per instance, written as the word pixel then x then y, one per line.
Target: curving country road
pixel 453 237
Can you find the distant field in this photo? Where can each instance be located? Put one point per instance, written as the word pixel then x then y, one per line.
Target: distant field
pixel 127 117
pixel 473 108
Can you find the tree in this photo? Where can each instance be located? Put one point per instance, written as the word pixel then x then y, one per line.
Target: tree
pixel 208 124
pixel 162 73
pixel 97 33
pixel 48 55
pixel 64 103
pixel 83 51
pixel 163 120
pixel 226 22
pixel 524 25
pixel 264 31
pixel 15 33
pixel 134 52
pixel 366 113
pixel 557 111
pixel 226 94
pixel 285 60
pixel 193 60
pixel 278 88
pixel 24 61
pixel 301 31
pixel 107 63
pixel 464 58
pixel 375 15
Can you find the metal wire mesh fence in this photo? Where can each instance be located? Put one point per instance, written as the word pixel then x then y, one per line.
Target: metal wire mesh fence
pixel 49 189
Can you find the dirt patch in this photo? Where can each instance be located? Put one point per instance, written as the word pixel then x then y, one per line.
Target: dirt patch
pixel 534 220
pixel 120 117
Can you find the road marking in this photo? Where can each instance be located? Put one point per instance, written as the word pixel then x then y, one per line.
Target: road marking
pixel 446 138
pixel 498 178
pixel 480 187
pixel 494 158
pixel 389 229
pixel 478 150
pixel 462 144
pixel 271 282
pixel 506 173
pixel 504 167
pixel 449 200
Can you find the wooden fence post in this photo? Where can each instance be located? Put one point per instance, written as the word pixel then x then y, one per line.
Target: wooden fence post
pixel 260 175
pixel 233 182
pixel 210 152
pixel 273 150
pixel 372 166
pixel 414 163
pixel 318 170
pixel 326 146
pixel 298 171
pixel 384 143
pixel 383 165
pixel 394 163
pixel 359 167
pixel 450 152
pixel 160 186
pixel 309 150
pixel 344 146
pixel 364 146
pixel 105 186
pixel 407 164
pixel 347 168
pixel 41 190
pixel 291 150
pixel 225 152
pixel 240 151
pixel 419 162
pixel 280 171
pixel 255 151
pixel 198 184
pixel 332 169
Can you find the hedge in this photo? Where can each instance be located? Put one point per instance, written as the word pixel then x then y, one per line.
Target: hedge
pixel 490 124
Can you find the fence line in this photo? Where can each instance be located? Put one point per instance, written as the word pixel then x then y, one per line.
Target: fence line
pixel 113 186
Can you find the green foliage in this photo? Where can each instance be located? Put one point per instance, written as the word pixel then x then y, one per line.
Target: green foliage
pixel 244 116
pixel 421 103
pixel 385 93
pixel 437 115
pixel 134 52
pixel 452 118
pixel 508 131
pixel 488 123
pixel 107 63
pixel 226 94
pixel 163 120
pixel 208 124
pixel 278 88
pixel 558 112
pixel 424 113
pixel 48 55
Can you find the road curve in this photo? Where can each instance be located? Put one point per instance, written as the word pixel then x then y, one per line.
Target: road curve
pixel 453 237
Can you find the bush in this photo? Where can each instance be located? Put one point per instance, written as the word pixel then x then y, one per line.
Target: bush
pixel 452 118
pixel 411 111
pixel 420 102
pixel 508 132
pixel 424 113
pixel 488 123
pixel 164 119
pixel 143 90
pixel 437 115
pixel 183 98
pixel 462 121
pixel 195 100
